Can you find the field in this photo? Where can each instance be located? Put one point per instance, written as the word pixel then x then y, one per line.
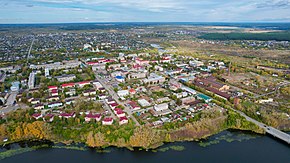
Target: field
pixel 278 36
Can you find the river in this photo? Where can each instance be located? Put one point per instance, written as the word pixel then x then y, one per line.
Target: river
pixel 227 146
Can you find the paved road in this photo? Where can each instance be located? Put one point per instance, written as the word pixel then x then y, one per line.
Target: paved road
pixel 9 109
pixel 270 130
pixel 11 98
pixel 28 54
pixel 116 98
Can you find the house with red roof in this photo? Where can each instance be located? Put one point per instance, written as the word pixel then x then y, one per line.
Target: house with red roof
pixel 108 121
pixel 52 87
pixel 123 120
pixel 134 105
pixel 110 100
pixel 102 96
pixel 48 117
pixel 37 115
pixel 67 115
pixel 68 85
pixel 91 116
pixel 141 61
pixel 54 92
pixel 113 105
pixel 137 66
pixel 119 112
pixel 92 63
pixel 132 91
pixel 83 83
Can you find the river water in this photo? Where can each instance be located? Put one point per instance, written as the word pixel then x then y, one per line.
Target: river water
pixel 227 146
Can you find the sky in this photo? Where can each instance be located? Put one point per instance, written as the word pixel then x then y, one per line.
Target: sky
pixel 69 11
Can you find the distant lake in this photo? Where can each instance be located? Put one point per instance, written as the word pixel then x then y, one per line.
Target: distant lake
pixel 227 146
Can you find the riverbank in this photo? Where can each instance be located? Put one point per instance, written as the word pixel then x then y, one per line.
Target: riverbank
pixel 226 146
pixel 129 136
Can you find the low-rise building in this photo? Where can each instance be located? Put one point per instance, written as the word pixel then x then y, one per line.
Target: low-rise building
pixel 69 101
pixel 123 93
pixel 54 92
pixel 67 115
pixel 37 115
pixel 137 75
pixel 83 83
pixel 143 103
pixel 108 121
pixel 54 104
pixel 133 105
pixel 38 106
pixel 119 112
pixel 31 80
pixel 53 98
pixel 70 92
pixel 91 116
pixel 154 79
pixel 68 85
pixel 120 79
pixel 204 97
pixel 123 120
pixel 90 92
pixel 65 78
pixel 161 107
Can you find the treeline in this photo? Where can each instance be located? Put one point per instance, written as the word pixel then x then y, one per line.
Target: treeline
pixel 278 36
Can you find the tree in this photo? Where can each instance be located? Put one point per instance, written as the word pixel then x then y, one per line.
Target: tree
pixel 144 137
pixel 95 140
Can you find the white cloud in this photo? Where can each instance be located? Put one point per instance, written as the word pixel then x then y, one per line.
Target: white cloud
pixel 150 10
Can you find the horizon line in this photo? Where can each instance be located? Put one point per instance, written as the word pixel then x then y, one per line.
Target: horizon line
pixel 124 22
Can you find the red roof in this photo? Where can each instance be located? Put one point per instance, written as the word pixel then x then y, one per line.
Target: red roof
pixel 133 104
pixel 52 87
pixel 118 111
pixel 54 91
pixel 108 119
pixel 132 90
pixel 49 115
pixel 68 85
pixel 123 118
pixel 67 114
pixel 35 115
pixel 93 115
pixel 92 63
pixel 114 104
pixel 84 82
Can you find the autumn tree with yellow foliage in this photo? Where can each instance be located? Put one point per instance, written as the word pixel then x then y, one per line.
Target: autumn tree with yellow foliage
pixel 96 139
pixel 145 137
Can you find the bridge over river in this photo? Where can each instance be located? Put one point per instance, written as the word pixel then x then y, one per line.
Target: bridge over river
pixel 270 130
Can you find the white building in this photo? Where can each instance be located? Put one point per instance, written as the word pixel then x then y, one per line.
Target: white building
pixel 65 78
pixel 154 79
pixel 143 102
pixel 31 80
pixel 196 63
pixel 123 93
pixel 46 72
pixel 161 107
